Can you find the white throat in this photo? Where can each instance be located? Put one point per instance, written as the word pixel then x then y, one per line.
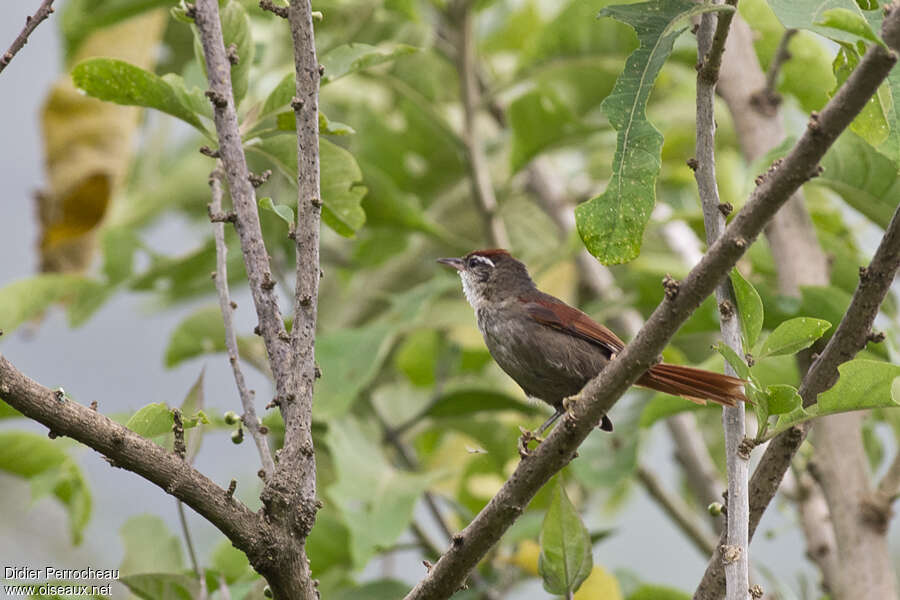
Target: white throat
pixel 470 289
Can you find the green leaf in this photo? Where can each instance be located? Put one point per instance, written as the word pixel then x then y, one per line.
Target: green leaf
pixel 284 212
pixel 202 332
pixel 28 298
pixel 737 363
pixel 350 58
pixel 279 97
pixel 470 401
pixel 287 121
pixel 80 18
pixel 871 123
pixel 782 399
pixel 383 589
pixel 809 14
pixel 236 30
pixel 151 420
pixel 375 500
pixel 862 384
pixel 417 356
pixel 119 247
pixel 117 81
pixel 49 469
pixel 749 306
pixel 194 99
pixel 566 559
pixel 539 120
pixel 162 586
pixel 149 546
pixel 863 177
pixel 793 335
pixel 612 224
pixel 849 21
pixel 657 592
pixel 340 185
pixel 231 562
pixel 192 414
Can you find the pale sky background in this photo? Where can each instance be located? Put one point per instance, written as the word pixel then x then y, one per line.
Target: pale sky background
pixel 116 359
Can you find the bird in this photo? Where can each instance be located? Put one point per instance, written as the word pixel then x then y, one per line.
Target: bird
pixel 551 350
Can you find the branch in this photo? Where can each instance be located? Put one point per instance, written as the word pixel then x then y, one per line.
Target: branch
pixel 677 511
pixel 126 449
pixel 289 496
pixel 482 188
pixel 815 520
pixel 31 24
pixel 225 305
pixel 767 99
pixel 598 396
pixel 850 337
pixel 710 46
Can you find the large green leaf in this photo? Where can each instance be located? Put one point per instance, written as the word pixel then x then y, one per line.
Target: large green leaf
pixel 340 179
pixel 202 332
pixel 810 14
pixel 749 306
pixel 28 298
pixel 794 335
pixel 612 224
pixel 475 401
pixel 49 469
pixel 150 547
pixel 566 559
pixel 117 81
pixel 375 500
pixel 865 179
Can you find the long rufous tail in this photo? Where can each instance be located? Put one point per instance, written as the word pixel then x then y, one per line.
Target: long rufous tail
pixel 695 385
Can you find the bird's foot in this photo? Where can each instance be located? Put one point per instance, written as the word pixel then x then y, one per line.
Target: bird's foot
pixel 526 437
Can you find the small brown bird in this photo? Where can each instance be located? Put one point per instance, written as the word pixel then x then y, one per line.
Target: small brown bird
pixel 551 349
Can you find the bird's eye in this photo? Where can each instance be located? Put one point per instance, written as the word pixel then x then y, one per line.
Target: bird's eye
pixel 476 261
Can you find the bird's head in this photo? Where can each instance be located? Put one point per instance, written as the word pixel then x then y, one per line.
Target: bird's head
pixel 490 276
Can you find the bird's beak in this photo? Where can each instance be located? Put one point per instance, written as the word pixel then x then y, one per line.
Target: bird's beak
pixel 456 263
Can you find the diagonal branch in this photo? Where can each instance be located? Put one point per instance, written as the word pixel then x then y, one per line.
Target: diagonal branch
pixel 677 510
pixel 31 23
pixel 599 395
pixel 225 305
pixel 127 450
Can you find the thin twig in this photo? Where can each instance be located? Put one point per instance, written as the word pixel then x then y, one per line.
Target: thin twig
pixel 782 55
pixel 600 394
pixel 889 486
pixel 195 565
pixel 249 417
pixel 31 23
pixel 482 188
pixel 711 45
pixel 693 456
pixel 677 510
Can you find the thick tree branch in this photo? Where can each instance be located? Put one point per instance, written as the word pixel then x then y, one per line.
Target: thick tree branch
pixel 850 337
pixel 710 46
pixel 466 65
pixel 249 417
pixel 677 510
pixel 588 407
pixel 31 23
pixel 128 450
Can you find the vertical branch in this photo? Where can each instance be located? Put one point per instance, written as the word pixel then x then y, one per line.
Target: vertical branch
pixel 466 66
pixel 227 307
pixel 710 45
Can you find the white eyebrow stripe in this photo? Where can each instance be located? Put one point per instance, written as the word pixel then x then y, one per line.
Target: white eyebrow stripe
pixel 483 259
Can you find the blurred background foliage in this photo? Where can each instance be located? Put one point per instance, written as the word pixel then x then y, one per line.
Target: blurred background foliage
pixel 409 399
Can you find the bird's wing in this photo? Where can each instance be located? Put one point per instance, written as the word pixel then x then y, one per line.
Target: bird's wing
pixel 562 317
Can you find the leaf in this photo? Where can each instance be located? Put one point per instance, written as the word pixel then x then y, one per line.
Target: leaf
pixel 862 384
pixel 193 404
pixel 280 96
pixel 871 123
pixel 600 584
pixel 236 30
pixel 737 363
pixel 850 22
pixel 119 247
pixel 863 177
pixel 28 298
pixel 809 14
pixel 149 546
pixel 612 224
pixel 749 306
pixel 151 420
pixel 284 212
pixel 117 81
pixel 80 18
pixel 162 586
pixel 793 335
pixel 375 500
pixel 350 58
pixel 657 592
pixel 231 562
pixel 474 400
pixel 382 589
pixel 49 469
pixel 194 99
pixel 340 185
pixel 566 559
pixel 782 399
pixel 539 120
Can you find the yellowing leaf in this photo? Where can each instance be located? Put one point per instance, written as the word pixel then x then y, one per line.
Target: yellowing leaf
pixel 526 558
pixel 600 585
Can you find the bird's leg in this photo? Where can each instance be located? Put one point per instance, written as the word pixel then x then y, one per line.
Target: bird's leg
pixel 557 414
